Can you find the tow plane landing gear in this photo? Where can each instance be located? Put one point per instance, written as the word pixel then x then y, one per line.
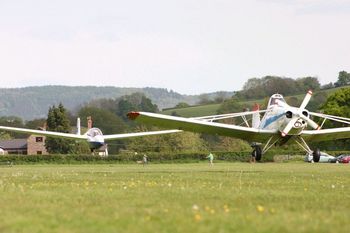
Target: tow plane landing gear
pixel 257 152
pixel 316 154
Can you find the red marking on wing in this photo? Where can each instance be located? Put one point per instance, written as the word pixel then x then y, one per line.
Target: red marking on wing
pixel 133 115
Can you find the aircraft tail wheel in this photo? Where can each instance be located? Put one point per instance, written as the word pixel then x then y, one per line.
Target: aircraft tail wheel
pixel 316 155
pixel 258 152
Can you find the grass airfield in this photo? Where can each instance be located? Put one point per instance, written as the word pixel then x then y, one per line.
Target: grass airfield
pixel 228 197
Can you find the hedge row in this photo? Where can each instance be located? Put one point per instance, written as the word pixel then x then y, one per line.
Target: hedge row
pixel 123 158
pixel 242 156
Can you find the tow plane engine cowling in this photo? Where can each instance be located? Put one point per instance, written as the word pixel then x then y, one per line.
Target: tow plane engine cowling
pixel 297 125
pixel 95 138
pixel 298 118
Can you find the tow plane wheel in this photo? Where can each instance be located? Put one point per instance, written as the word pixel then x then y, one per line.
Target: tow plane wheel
pixel 316 155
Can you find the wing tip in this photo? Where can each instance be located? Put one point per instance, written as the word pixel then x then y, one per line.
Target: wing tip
pixel 133 115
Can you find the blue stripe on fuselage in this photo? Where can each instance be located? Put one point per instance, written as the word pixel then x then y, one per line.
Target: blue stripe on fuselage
pixel 272 119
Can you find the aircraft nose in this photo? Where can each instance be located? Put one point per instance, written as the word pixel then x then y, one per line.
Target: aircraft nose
pixel 299 123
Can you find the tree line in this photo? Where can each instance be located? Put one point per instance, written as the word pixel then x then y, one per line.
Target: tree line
pixel 257 88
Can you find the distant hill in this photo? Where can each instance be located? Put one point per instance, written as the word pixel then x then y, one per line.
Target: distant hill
pixel 33 102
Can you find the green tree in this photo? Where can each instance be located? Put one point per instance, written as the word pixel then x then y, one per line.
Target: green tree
pixel 58 121
pixel 337 104
pixel 229 106
pixel 293 101
pixel 12 121
pixel 5 136
pixel 259 88
pixel 252 83
pixel 317 100
pixel 182 105
pixel 36 123
pixel 174 113
pixel 327 86
pixel 307 83
pixel 343 79
pixel 134 102
pixel 124 106
pixel 177 142
pixel 108 122
pixel 147 105
pixel 204 99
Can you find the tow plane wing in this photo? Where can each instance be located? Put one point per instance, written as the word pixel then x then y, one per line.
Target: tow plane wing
pixel 203 125
pixel 326 134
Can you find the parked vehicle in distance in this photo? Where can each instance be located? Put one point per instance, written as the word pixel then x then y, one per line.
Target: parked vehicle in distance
pixel 343 158
pixel 324 158
pixel 346 159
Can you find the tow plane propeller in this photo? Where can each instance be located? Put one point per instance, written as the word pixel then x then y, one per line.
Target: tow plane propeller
pixel 298 114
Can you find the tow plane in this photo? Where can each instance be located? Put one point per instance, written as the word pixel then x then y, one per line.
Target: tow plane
pixel 281 124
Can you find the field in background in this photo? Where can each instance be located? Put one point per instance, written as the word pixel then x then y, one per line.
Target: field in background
pixel 229 197
pixel 211 109
pixel 193 111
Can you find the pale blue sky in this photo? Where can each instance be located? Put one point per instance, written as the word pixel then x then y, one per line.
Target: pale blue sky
pixel 190 46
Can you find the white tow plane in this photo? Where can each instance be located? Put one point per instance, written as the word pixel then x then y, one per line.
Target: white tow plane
pixel 281 124
pixel 93 136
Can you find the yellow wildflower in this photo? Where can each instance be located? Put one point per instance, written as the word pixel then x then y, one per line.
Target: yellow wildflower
pixel 260 208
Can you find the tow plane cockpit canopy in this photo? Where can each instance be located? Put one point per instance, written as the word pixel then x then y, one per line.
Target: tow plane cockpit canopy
pixel 274 99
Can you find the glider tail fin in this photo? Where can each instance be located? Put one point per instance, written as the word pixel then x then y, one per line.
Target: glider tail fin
pixel 78 126
pixel 256 116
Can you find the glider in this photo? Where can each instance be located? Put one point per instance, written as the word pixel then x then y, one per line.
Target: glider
pixel 93 136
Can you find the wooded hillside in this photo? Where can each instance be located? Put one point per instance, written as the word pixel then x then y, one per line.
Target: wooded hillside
pixel 34 102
